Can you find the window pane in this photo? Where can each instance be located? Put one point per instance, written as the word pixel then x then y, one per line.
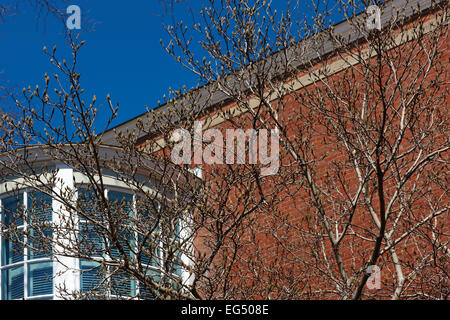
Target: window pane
pixel 147 253
pixel 91 275
pixel 125 234
pixel 148 213
pixel 12 251
pixel 87 203
pixel 39 207
pixel 148 244
pixel 122 284
pixel 11 210
pixel 12 283
pixel 91 240
pixel 40 279
pixel 126 241
pixel 145 293
pixel 40 239
pixel 92 243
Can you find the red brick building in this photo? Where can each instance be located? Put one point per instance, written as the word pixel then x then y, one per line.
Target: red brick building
pixel 362 119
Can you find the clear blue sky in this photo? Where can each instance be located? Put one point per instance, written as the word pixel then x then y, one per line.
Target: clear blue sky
pixel 122 56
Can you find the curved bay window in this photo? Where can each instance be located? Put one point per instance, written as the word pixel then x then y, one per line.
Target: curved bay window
pixel 63 237
pixel 140 239
pixel 25 273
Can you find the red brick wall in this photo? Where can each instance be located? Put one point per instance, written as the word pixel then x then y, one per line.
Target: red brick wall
pixel 279 252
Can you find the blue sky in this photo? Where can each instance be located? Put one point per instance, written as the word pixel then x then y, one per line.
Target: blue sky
pixel 122 55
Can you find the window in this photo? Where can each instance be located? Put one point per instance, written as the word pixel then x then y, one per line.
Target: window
pixel 92 273
pixel 38 283
pixel 160 254
pixel 26 253
pixel 149 244
pixel 12 283
pixel 20 265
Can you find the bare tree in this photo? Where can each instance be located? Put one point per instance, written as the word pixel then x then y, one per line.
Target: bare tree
pixel 150 236
pixel 364 145
pixel 42 8
pixel 363 135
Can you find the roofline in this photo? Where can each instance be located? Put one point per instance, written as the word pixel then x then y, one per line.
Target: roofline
pixel 407 8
